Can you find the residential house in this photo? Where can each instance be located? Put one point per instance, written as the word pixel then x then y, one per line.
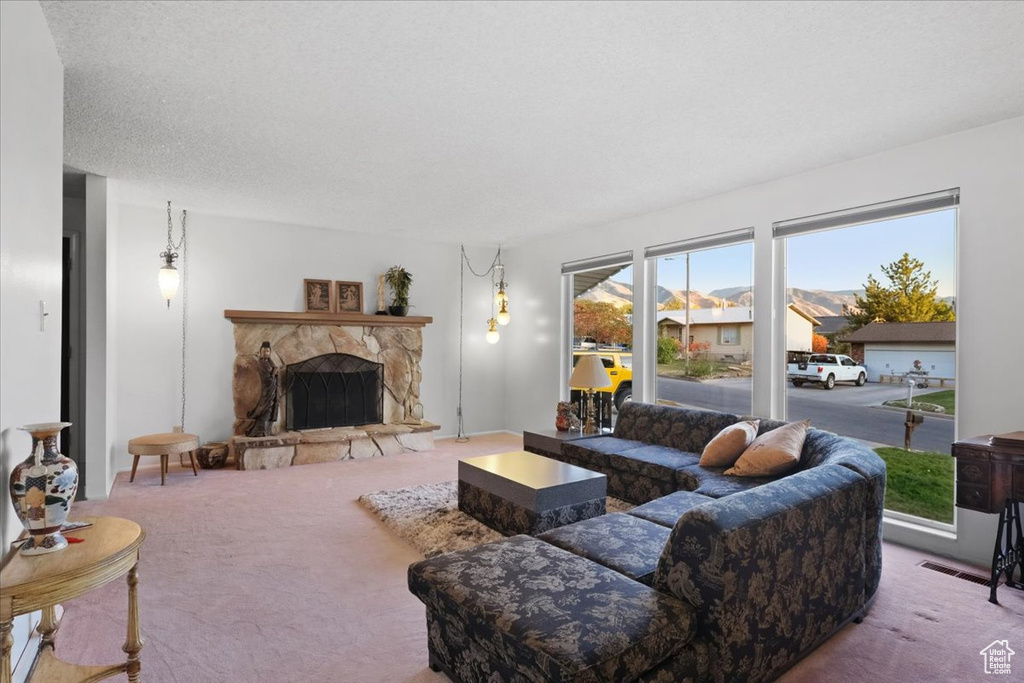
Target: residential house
pixel 729 331
pixel 893 348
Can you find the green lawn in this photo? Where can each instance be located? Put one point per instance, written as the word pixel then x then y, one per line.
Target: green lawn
pixel 942 398
pixel 919 483
pixel 702 369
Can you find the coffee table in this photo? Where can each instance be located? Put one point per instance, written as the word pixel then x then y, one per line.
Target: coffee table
pixel 525 493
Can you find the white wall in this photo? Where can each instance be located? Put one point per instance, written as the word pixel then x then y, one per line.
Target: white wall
pixel 986 163
pixel 31 155
pixel 252 265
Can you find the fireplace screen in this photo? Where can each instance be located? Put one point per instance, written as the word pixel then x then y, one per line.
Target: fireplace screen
pixel 334 390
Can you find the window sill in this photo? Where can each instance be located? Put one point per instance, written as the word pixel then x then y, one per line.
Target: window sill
pixel 902 525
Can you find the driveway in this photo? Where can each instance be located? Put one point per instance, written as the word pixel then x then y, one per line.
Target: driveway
pixel 844 410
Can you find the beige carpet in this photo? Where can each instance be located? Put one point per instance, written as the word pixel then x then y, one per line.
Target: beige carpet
pixel 281 576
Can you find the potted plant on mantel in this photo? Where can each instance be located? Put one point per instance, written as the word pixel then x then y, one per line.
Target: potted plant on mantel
pixel 399 280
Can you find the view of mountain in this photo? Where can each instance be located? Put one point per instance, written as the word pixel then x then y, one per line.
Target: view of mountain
pixel 816 302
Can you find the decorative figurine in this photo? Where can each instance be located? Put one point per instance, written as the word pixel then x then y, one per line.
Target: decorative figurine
pixel 264 413
pixel 566 418
pixel 381 296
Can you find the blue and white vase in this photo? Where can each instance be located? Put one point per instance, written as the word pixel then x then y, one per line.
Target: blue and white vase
pixel 43 487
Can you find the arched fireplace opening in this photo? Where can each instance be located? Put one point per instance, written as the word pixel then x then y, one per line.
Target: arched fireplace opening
pixel 333 390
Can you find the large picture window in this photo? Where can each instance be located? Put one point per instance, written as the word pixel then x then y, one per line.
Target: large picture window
pixel 878 286
pixel 705 318
pixel 600 322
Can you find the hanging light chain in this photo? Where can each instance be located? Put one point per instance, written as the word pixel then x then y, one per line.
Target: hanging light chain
pixel 184 306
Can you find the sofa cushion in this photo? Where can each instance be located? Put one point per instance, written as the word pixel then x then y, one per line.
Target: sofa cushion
pixel 729 444
pixel 721 485
pixel 637 488
pixel 656 462
pixel 684 429
pixel 551 613
pixel 772 453
pixel 594 451
pixel 668 509
pixel 627 544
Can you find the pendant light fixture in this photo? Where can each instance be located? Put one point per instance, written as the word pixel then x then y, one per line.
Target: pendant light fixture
pixel 496 271
pixel 501 298
pixel 492 335
pixel 169 278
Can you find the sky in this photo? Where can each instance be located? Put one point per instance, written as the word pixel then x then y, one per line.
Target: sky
pixel 831 260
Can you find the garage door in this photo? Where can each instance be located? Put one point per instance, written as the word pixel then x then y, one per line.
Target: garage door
pixel 884 362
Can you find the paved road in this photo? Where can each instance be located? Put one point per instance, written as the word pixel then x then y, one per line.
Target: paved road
pixel 844 410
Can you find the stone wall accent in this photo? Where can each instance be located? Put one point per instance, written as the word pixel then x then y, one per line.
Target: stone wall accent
pixel 330 445
pixel 399 349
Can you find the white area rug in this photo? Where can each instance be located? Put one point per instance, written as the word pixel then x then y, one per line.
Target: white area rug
pixel 427 517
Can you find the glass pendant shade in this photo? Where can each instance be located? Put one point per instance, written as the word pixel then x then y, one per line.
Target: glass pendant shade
pixel 501 298
pixel 492 333
pixel 169 279
pixel 503 317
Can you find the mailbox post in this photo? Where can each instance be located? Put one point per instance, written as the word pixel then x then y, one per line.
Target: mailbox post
pixel 913 420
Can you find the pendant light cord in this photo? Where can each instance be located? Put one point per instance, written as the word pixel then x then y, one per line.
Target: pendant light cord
pixel 461 436
pixel 463 264
pixel 184 309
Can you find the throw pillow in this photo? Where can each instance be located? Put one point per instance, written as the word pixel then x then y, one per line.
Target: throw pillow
pixel 772 453
pixel 729 444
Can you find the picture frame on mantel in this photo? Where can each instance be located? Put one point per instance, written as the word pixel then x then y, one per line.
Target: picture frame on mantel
pixel 318 296
pixel 348 297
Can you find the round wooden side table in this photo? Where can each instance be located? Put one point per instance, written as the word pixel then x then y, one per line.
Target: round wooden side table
pixel 109 549
pixel 163 445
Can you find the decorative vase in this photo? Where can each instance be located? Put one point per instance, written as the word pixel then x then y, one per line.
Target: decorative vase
pixel 398 310
pixel 43 487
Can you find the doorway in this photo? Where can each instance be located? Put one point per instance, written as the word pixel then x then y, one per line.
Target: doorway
pixel 72 370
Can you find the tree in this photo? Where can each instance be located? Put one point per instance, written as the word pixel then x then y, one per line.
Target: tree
pixel 819 343
pixel 909 296
pixel 673 304
pixel 668 349
pixel 602 321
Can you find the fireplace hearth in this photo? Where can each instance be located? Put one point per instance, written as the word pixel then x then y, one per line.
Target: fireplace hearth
pixel 333 390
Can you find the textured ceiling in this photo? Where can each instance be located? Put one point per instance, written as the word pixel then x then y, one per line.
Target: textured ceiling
pixel 485 122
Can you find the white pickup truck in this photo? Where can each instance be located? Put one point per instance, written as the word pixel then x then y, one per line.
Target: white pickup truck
pixel 826 369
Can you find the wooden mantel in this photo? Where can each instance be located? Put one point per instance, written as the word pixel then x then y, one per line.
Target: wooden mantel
pixel 341 319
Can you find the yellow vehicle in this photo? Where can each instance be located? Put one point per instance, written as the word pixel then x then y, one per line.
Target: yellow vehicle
pixel 619 367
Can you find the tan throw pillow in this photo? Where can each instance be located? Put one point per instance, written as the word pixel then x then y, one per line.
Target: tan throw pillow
pixel 772 453
pixel 729 444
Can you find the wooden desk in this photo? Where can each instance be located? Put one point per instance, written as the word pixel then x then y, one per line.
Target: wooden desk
pixel 110 549
pixel 991 479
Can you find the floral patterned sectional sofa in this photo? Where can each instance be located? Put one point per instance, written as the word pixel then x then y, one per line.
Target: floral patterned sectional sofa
pixel 710 578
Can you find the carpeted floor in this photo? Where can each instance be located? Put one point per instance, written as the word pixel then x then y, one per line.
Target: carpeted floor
pixel 281 576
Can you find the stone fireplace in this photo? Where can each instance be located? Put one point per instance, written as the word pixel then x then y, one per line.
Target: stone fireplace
pixel 349 386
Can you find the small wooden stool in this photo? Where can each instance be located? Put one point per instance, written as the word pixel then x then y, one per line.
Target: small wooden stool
pixel 163 445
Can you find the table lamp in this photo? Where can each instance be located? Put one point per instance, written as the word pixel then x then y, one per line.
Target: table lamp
pixel 589 374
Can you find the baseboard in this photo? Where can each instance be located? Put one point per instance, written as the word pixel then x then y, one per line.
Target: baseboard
pixel 472 434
